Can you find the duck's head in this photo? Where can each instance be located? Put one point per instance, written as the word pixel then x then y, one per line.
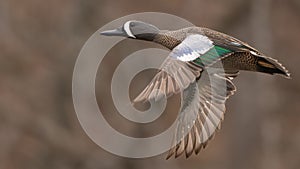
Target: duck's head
pixel 134 30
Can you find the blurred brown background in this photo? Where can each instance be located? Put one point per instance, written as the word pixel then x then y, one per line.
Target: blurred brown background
pixel 40 41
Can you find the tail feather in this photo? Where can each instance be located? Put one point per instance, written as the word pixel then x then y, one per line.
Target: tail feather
pixel 253 61
pixel 271 66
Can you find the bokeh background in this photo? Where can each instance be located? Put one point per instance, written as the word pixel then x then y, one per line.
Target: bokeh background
pixel 40 41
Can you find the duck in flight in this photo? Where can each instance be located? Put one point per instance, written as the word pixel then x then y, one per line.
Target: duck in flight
pixel 201 65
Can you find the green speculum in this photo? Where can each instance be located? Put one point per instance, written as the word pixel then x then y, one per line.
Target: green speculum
pixel 211 56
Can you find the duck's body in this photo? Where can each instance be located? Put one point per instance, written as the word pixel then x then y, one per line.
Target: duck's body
pixel 234 54
pixel 202 64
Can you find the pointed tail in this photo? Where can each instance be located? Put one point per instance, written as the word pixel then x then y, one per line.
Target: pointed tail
pixel 271 66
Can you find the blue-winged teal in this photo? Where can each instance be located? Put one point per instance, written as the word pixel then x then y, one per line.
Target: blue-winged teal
pixel 193 51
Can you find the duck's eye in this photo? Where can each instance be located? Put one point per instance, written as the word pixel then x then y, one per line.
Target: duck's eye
pixel 132 24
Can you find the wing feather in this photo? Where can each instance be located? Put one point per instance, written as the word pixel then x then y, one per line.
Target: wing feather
pixel 173 77
pixel 201 113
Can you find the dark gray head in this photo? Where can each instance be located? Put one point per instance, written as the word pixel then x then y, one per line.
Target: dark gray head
pixel 135 30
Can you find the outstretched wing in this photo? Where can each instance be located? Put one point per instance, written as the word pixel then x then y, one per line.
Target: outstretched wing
pixel 174 76
pixel 182 67
pixel 201 113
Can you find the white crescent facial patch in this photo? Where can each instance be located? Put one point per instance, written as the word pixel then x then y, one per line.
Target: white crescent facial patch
pixel 127 29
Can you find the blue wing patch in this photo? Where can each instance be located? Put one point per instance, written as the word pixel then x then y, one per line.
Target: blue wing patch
pixel 192 47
